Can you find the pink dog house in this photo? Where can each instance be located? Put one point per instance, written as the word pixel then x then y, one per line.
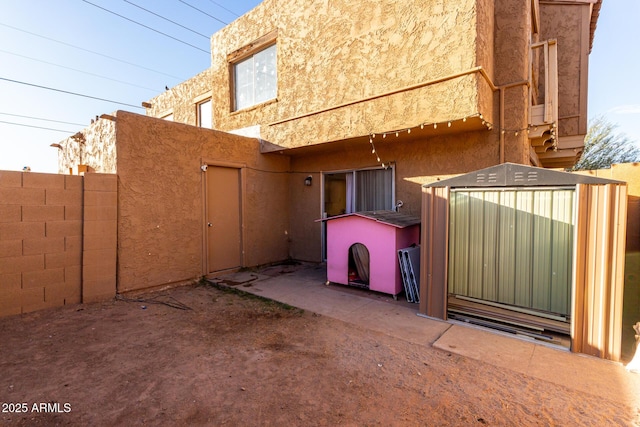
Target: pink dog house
pixel 362 248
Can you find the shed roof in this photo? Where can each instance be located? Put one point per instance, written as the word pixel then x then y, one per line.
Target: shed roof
pixel 516 175
pixel 393 218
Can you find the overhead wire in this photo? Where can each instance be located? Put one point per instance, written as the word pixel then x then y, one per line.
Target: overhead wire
pixel 79 71
pixel 201 11
pixel 230 11
pixel 93 52
pixel 36 127
pixel 146 26
pixel 43 119
pixel 166 19
pixel 69 92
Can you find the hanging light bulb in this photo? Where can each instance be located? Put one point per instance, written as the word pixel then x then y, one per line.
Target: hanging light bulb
pixel 408 130
pixel 373 150
pixel 464 119
pixel 396 134
pixel 448 124
pixel 435 126
pixel 422 126
pixel 384 135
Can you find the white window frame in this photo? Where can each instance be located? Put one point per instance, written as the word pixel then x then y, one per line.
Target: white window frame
pixel 208 122
pixel 246 56
pixel 353 196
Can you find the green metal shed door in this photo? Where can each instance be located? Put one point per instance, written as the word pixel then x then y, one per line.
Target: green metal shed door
pixel 513 247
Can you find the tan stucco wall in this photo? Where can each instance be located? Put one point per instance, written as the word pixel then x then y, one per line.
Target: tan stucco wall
pixel 93 146
pixel 416 162
pixel 181 99
pixel 570 25
pixel 512 34
pixel 334 52
pixel 160 199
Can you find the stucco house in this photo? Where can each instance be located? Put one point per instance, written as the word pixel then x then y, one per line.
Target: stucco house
pixel 371 98
pixel 313 109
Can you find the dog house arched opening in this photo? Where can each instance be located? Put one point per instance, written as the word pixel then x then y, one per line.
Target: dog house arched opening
pixel 359 265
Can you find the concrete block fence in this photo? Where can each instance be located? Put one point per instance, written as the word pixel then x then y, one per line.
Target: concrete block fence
pixel 57 240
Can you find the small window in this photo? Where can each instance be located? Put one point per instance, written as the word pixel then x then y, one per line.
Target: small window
pixel 255 78
pixel 205 114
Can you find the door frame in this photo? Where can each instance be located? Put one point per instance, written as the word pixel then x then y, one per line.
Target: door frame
pixel 242 167
pixel 323 228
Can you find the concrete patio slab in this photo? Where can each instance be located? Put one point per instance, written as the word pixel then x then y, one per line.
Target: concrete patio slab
pixel 304 286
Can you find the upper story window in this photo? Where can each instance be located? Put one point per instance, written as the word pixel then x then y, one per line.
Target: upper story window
pixel 205 114
pixel 254 72
pixel 255 78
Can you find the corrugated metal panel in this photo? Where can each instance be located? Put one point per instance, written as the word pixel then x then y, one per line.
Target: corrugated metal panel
pixel 513 247
pixel 433 254
pixel 507 246
pixel 599 263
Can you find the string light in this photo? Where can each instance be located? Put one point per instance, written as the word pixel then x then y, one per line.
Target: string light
pixel 503 131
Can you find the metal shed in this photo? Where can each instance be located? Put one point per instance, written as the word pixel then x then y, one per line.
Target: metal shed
pixel 522 245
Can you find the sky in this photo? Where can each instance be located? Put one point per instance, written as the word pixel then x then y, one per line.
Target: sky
pixel 49 48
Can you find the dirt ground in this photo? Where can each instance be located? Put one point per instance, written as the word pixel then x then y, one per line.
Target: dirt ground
pixel 199 355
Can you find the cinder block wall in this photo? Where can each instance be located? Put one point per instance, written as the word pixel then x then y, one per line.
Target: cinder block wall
pixel 41 242
pixel 99 237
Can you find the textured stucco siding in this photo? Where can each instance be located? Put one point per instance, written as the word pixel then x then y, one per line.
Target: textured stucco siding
pixel 94 146
pixel 415 161
pixel 569 24
pixel 181 99
pixel 160 199
pixel 485 42
pixel 335 52
pixel 512 35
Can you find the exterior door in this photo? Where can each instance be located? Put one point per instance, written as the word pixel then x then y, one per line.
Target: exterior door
pixel 224 236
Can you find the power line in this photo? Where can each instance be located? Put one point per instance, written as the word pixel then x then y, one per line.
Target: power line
pixel 36 127
pixel 93 51
pixel 201 11
pixel 230 11
pixel 167 19
pixel 147 27
pixel 70 93
pixel 79 71
pixel 39 118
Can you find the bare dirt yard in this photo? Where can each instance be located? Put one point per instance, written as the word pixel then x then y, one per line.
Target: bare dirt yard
pixel 199 355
